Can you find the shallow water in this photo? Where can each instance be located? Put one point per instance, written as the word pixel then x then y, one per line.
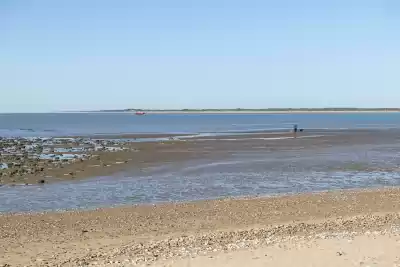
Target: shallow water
pixel 243 174
pixel 63 124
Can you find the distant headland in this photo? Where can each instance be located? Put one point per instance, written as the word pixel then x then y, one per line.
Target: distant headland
pixel 264 110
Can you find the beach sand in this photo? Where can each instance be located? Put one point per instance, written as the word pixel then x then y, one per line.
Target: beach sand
pixel 224 232
pixel 339 228
pixel 371 249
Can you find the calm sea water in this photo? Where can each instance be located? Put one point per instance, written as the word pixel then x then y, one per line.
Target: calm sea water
pixel 62 124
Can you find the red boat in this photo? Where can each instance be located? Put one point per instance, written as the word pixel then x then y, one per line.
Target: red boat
pixel 140 113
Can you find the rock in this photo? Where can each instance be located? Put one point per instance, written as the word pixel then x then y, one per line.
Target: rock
pixel 41 181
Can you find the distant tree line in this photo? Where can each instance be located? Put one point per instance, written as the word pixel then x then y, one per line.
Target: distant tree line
pixel 247 109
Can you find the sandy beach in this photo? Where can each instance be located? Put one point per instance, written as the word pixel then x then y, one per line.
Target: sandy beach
pixel 210 232
pixel 340 249
pixel 340 227
pixel 199 134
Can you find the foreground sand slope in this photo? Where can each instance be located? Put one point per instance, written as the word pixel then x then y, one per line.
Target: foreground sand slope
pixel 168 234
pixel 375 249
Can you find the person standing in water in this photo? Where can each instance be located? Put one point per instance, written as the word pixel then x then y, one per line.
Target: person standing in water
pixel 295 130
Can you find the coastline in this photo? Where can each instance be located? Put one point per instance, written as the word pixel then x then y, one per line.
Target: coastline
pixel 157 234
pixel 73 158
pixel 77 158
pixel 238 112
pixel 219 232
pixel 269 112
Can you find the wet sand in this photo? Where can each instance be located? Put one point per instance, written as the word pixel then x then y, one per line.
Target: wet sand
pixel 99 158
pixel 130 156
pixel 206 232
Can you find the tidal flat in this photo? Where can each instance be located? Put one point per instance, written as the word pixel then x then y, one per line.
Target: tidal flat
pixel 25 161
pixel 92 172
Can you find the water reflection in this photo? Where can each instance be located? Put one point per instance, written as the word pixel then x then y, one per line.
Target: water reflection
pixel 242 175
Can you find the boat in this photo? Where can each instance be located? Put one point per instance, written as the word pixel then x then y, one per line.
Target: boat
pixel 140 113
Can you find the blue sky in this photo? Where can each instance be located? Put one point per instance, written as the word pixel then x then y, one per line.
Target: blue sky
pixel 95 54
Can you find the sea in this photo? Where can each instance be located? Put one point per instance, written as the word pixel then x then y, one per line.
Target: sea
pixel 254 174
pixel 73 124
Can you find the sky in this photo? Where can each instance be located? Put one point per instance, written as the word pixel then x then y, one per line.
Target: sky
pixel 154 54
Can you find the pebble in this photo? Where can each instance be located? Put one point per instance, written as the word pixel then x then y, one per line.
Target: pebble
pixel 34 156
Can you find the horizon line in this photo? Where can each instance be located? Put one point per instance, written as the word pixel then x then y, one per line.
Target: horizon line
pixel 211 109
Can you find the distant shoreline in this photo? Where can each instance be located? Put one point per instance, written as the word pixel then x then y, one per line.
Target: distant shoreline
pixel 268 112
pixel 212 112
pixel 252 111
